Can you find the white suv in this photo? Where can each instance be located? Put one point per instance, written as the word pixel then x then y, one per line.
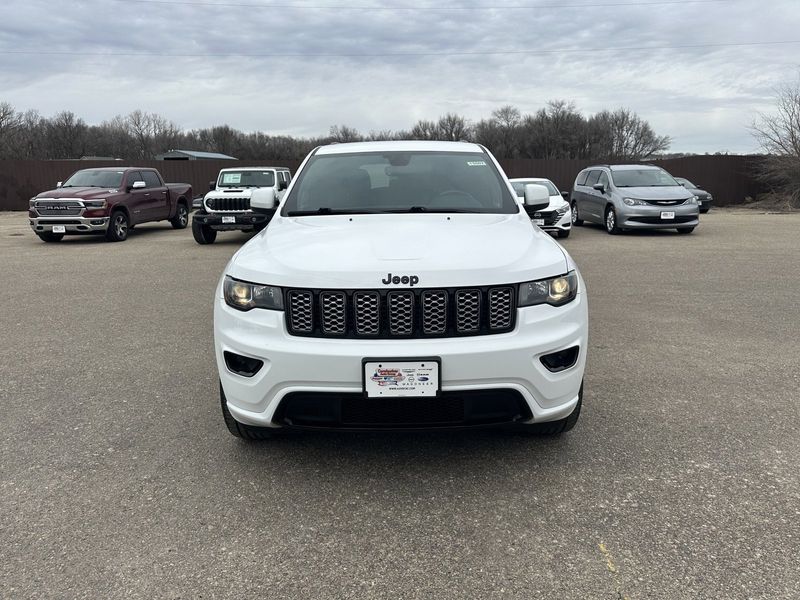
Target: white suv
pixel 227 204
pixel 400 285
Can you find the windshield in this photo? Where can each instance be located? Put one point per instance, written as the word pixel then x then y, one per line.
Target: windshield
pixel 642 178
pixel 237 179
pixel 95 178
pixel 519 187
pixel 685 182
pixel 373 182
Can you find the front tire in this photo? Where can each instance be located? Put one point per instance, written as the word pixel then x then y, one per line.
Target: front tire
pixel 611 221
pixel 49 237
pixel 203 234
pixel 563 234
pixel 704 210
pixel 560 426
pixel 685 230
pixel 575 219
pixel 240 430
pixel 181 218
pixel 118 227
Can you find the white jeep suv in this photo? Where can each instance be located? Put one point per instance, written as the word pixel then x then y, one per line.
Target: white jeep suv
pixel 400 285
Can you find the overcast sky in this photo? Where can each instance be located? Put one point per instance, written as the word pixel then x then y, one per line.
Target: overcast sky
pixel 403 62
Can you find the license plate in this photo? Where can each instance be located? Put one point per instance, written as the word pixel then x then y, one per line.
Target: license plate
pixel 393 378
pixel 538 221
pixel 229 219
pixel 59 229
pixel 667 214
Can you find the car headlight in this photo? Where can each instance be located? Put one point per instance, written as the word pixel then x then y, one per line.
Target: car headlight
pixel 94 204
pixel 709 197
pixel 242 295
pixel 32 202
pixel 563 210
pixel 692 200
pixel 634 202
pixel 555 291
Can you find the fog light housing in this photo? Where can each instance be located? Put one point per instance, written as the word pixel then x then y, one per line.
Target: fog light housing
pixel 561 360
pixel 242 365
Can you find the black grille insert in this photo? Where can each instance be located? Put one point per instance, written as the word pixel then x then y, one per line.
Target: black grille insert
pixel 450 409
pixel 233 204
pixel 659 221
pixel 665 202
pixel 401 313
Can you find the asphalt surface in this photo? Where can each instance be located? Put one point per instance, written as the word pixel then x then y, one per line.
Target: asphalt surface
pixel 119 479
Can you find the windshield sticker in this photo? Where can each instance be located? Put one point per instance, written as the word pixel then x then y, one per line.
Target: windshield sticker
pixel 476 163
pixel 232 178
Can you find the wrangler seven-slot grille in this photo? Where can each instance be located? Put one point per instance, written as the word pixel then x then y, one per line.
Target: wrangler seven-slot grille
pixel 229 203
pixel 400 313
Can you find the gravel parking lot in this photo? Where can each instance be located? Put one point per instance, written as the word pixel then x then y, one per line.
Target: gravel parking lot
pixel 119 478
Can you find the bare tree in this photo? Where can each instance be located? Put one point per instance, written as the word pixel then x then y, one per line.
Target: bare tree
pixel 507 120
pixel 66 136
pixel 623 135
pixel 558 130
pixel 9 127
pixel 424 130
pixel 454 128
pixel 779 136
pixel 343 133
pixel 31 135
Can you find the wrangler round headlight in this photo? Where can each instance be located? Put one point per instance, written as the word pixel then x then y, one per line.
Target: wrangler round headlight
pixel 555 291
pixel 243 295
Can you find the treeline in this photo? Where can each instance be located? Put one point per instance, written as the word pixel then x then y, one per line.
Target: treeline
pixel 559 130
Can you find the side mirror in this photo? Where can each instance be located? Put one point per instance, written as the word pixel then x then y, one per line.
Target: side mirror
pixel 212 185
pixel 565 195
pixel 262 200
pixel 282 185
pixel 683 184
pixel 600 187
pixel 138 185
pixel 58 185
pixel 537 198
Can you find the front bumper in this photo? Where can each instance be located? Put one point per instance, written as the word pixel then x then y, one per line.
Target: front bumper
pixel 649 217
pixel 222 221
pixel 71 224
pixel 506 363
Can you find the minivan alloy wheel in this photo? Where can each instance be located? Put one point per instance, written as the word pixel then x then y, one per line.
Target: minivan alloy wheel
pixel 576 220
pixel 611 221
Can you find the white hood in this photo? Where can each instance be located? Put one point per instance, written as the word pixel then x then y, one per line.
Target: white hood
pixel 359 251
pixel 230 193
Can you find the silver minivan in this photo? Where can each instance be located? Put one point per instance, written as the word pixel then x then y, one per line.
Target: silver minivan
pixel 632 197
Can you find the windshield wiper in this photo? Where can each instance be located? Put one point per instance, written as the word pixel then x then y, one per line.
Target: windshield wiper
pixel 325 210
pixel 425 209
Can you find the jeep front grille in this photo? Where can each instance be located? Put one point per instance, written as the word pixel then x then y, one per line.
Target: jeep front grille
pixel 233 204
pixel 400 313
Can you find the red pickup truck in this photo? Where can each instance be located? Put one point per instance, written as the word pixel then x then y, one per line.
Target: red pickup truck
pixel 109 201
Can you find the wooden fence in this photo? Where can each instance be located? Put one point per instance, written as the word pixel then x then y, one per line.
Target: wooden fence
pixel 730 179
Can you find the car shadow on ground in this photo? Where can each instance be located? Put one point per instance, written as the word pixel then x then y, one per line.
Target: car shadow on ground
pixel 596 227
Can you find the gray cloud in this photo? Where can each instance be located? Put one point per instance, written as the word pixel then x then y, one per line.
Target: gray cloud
pixel 703 97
